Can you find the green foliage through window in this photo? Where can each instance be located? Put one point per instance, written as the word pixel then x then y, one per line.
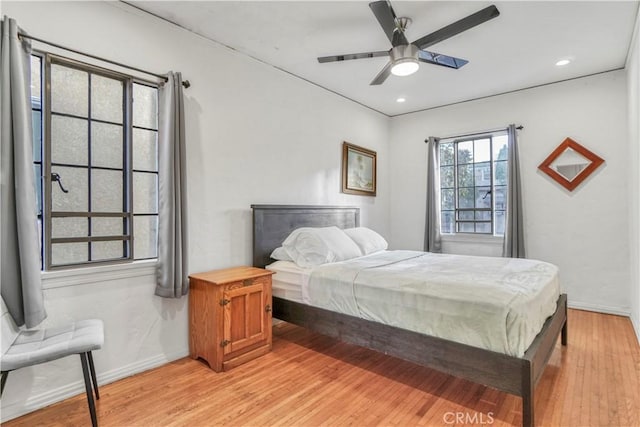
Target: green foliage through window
pixel 473 180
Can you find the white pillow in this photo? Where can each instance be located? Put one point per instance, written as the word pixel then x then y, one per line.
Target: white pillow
pixel 367 240
pixel 280 254
pixel 309 247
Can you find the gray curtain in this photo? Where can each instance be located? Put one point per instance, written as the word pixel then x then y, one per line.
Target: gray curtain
pixel 432 237
pixel 513 245
pixel 172 280
pixel 20 242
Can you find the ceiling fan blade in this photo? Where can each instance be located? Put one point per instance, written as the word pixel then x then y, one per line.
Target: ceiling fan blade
pixel 346 56
pixel 387 18
pixel 457 27
pixel 382 75
pixel 439 59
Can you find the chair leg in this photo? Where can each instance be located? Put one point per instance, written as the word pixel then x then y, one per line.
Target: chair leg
pixel 87 385
pixel 5 374
pixel 93 375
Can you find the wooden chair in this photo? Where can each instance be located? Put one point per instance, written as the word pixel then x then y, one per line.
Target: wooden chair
pixel 28 347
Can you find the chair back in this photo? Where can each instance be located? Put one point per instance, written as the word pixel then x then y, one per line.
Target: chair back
pixel 9 331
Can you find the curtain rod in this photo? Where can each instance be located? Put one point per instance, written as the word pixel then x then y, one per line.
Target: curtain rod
pixel 520 127
pixel 185 83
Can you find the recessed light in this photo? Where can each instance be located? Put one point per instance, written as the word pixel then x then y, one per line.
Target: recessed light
pixel 400 100
pixel 563 62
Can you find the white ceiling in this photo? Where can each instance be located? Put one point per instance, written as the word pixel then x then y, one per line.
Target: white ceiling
pixel 516 50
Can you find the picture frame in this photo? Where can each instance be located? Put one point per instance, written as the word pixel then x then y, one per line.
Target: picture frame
pixel 358 170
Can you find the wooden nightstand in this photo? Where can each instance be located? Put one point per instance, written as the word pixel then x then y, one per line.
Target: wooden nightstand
pixel 230 316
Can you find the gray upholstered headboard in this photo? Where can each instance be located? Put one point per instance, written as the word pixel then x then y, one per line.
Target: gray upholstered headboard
pixel 273 223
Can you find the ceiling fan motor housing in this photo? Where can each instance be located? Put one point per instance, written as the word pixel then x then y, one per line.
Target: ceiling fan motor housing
pixel 403 53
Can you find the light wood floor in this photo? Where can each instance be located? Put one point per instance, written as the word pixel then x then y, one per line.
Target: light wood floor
pixel 310 380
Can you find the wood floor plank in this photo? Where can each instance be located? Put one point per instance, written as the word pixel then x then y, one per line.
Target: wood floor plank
pixel 312 380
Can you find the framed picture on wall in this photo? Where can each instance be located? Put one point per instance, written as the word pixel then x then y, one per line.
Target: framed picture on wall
pixel 358 170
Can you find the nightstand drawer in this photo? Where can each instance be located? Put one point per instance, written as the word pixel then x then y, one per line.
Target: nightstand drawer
pixel 252 281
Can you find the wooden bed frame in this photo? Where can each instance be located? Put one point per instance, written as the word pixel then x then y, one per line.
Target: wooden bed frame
pixel 514 375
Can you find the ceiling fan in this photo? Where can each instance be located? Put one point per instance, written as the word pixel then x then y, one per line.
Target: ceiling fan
pixel 404 56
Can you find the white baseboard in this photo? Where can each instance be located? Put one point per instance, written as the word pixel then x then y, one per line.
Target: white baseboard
pixel 635 322
pixel 59 394
pixel 599 308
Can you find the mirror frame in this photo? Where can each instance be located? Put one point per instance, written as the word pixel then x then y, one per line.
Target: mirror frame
pixel 596 161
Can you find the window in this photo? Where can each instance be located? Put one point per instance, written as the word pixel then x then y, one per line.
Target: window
pixel 95 161
pixel 473 183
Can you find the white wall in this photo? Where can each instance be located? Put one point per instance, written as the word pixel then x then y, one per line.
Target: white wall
pixel 633 84
pixel 584 232
pixel 254 135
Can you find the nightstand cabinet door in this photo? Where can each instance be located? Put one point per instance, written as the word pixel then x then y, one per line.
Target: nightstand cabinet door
pixel 247 315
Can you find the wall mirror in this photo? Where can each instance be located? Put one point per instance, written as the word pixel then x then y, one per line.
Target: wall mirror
pixel 570 164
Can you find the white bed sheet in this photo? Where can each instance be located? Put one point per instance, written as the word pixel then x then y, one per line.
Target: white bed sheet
pixel 499 304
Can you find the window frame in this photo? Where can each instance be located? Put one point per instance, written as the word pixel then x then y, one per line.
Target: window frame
pixel 133 170
pixel 47 214
pixel 456 187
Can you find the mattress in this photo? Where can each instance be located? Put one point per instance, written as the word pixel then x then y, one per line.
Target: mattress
pixel 498 304
pixel 289 281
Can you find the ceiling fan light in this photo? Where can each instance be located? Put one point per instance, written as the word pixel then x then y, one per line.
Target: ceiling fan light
pixel 405 67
